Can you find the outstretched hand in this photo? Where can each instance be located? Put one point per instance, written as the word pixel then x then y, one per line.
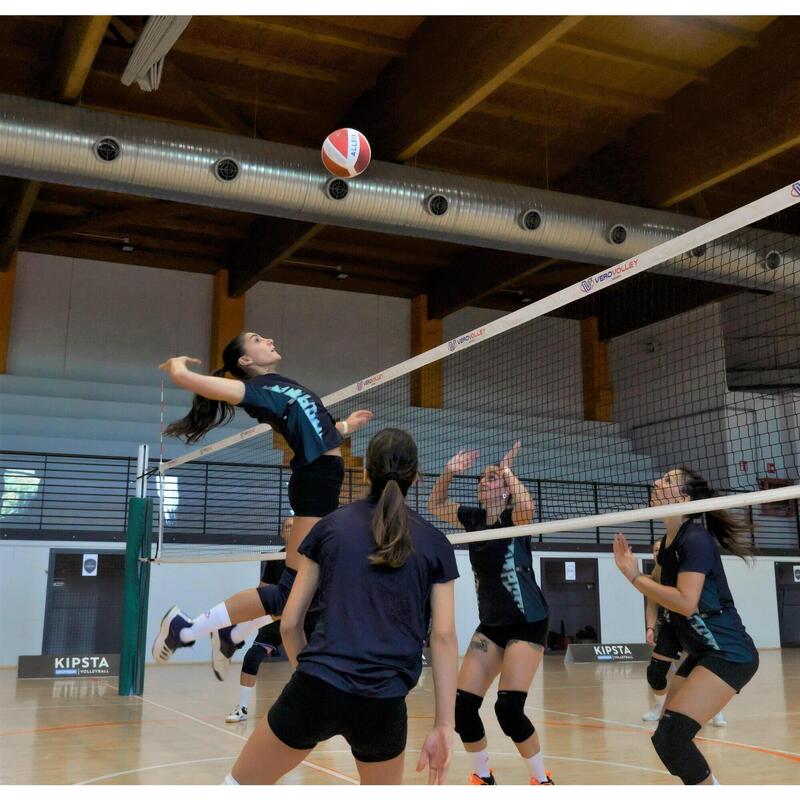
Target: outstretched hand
pixel 461 461
pixel 436 753
pixel 624 558
pixel 178 364
pixel 508 459
pixel 358 419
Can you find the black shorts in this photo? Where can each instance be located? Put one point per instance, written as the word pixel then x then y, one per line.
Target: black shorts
pixel 315 488
pixel 309 711
pixel 736 675
pixel 501 635
pixel 667 644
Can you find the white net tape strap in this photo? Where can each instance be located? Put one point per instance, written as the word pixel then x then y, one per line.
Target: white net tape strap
pixel 562 526
pixel 741 217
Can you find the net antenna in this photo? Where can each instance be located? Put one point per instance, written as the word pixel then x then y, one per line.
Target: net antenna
pixel 750 264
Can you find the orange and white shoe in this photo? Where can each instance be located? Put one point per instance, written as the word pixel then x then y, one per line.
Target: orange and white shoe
pixel 548 782
pixel 477 780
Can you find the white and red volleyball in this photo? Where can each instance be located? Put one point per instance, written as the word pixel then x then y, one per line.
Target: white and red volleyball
pixel 346 153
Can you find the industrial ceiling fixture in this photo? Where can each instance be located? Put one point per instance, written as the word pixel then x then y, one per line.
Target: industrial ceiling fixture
pixel 146 63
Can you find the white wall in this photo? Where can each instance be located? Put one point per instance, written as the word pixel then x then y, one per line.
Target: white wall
pixel 94 320
pixel 23 590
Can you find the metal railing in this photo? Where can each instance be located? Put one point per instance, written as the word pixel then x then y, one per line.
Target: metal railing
pixel 46 495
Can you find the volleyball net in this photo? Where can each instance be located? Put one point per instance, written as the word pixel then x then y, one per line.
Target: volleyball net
pixel 686 354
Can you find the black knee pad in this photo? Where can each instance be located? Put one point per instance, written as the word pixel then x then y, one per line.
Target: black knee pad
pixel 274 595
pixel 468 721
pixel 510 711
pixel 673 743
pixel 254 656
pixel 657 671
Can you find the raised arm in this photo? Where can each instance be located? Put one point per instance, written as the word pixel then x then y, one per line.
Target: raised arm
pixel 227 390
pixel 524 507
pixel 438 504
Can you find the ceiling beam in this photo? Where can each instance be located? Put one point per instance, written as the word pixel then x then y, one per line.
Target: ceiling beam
pixel 476 274
pixel 746 114
pixel 80 42
pixel 453 64
pixel 326 32
pixel 590 93
pixel 269 242
pixel 104 220
pixel 624 55
pixel 720 28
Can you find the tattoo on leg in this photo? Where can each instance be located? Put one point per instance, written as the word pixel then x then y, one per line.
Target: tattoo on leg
pixel 537 647
pixel 479 643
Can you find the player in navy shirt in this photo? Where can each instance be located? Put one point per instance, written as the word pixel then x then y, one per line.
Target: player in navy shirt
pixel 382 572
pixel 700 613
pixel 314 486
pixel 513 613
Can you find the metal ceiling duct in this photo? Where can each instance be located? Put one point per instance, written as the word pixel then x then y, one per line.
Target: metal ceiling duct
pixel 79 147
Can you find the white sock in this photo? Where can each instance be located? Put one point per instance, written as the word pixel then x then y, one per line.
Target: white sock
pixel 212 620
pixel 230 780
pixel 244 697
pixel 714 781
pixel 660 698
pixel 241 631
pixel 536 767
pixel 480 762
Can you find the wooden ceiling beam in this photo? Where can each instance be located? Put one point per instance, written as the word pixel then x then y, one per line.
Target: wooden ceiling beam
pixel 80 41
pixel 720 28
pixel 470 57
pixel 591 93
pixel 325 32
pixel 625 55
pixel 746 114
pixel 477 274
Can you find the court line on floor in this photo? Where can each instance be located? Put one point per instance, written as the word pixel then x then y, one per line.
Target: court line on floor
pixel 787 754
pixel 311 764
pixel 156 766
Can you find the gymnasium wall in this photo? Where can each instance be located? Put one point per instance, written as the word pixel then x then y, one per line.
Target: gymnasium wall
pixel 23 589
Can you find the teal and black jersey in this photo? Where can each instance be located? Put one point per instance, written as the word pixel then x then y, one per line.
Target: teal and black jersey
pixel 715 628
pixel 503 568
pixel 293 411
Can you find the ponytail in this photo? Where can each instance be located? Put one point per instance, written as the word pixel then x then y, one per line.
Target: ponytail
pixel 205 414
pixel 391 468
pixel 732 535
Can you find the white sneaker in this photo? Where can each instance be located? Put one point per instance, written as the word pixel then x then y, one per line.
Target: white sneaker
pixel 719 721
pixel 654 714
pixel 239 714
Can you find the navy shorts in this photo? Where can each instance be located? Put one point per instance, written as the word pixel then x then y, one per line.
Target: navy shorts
pixel 309 711
pixel 501 635
pixel 315 488
pixel 735 674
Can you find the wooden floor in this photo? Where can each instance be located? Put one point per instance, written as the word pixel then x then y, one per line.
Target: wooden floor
pixel 589 718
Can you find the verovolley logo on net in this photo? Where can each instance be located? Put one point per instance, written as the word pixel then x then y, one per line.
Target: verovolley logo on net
pixel 467 337
pixel 796 189
pixel 367 382
pixel 609 275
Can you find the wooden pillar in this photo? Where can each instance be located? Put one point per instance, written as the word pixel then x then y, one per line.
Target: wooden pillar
pixel 6 306
pixel 598 395
pixel 427 384
pixel 227 318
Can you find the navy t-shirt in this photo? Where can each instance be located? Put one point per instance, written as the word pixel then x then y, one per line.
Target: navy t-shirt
pixel 716 627
pixel 503 568
pixel 374 620
pixel 293 411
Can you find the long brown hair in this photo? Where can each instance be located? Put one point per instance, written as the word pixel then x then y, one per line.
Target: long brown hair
pixel 391 469
pixel 206 414
pixel 732 534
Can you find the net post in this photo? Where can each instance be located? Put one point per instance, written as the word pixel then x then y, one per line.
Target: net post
pixel 136 584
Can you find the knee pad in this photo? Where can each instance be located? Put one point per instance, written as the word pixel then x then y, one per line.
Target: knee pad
pixel 673 743
pixel 274 595
pixel 468 721
pixel 510 711
pixel 657 671
pixel 254 656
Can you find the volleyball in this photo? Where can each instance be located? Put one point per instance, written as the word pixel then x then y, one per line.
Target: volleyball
pixel 346 153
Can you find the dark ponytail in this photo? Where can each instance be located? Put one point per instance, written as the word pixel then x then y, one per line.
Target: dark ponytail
pixel 732 535
pixel 206 414
pixel 391 469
